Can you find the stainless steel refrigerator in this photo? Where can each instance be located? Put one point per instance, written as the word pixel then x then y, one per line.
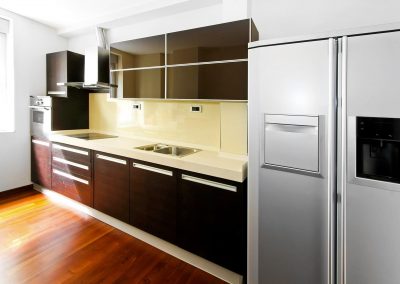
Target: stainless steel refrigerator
pixel 324 160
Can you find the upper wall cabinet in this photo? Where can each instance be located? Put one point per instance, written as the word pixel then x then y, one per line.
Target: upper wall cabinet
pixel 143 52
pixel 61 67
pixel 208 63
pixel 213 43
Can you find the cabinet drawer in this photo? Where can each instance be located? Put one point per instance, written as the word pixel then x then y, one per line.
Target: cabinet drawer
pixel 71 153
pixel 73 186
pixel 74 168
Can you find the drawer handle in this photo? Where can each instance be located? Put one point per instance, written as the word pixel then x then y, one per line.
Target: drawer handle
pixel 40 142
pixel 85 153
pixel 210 183
pixel 60 173
pixel 66 162
pixel 152 169
pixel 111 159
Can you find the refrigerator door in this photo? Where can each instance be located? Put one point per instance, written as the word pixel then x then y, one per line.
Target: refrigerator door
pixel 292 106
pixel 371 208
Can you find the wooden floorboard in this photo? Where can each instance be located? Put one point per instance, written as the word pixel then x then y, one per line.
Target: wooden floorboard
pixel 41 242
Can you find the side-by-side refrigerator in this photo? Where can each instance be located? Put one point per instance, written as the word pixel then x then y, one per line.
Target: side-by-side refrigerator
pixel 324 160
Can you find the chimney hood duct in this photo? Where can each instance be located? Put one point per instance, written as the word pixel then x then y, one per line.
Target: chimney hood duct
pixel 97 66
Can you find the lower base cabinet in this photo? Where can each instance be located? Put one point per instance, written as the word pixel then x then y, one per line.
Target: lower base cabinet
pixel 211 219
pixel 111 185
pixel 201 214
pixel 72 172
pixel 40 162
pixel 72 186
pixel 153 199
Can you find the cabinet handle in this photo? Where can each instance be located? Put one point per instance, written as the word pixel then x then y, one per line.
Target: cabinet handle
pixel 111 159
pixel 60 173
pixel 210 183
pixel 73 150
pixel 55 93
pixel 66 162
pixel 40 142
pixel 152 169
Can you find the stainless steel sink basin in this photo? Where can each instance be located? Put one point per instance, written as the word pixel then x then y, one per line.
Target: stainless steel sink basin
pixel 169 149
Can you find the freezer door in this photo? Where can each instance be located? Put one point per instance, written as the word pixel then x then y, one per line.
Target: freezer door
pixel 292 103
pixel 371 208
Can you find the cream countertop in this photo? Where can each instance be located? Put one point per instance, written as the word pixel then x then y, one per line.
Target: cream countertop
pixel 207 161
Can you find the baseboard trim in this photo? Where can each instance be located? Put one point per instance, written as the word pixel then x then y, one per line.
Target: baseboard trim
pixel 199 262
pixel 16 190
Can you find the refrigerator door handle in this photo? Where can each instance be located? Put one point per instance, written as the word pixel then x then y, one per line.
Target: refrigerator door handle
pixel 332 137
pixel 343 159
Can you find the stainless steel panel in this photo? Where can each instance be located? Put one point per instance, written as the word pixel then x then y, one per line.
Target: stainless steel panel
pixel 372 235
pixel 296 209
pixel 373 83
pixel 370 249
pixel 293 145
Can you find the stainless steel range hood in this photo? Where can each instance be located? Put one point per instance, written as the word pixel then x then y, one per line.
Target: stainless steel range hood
pixel 97 67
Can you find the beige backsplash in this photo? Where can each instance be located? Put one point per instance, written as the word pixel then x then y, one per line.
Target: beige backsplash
pixel 221 126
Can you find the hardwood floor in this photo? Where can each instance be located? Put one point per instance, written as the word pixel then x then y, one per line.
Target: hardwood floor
pixel 41 242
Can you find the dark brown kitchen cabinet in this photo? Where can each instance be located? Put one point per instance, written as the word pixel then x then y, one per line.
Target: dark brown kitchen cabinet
pixel 211 219
pixel 142 52
pixel 72 172
pixel 227 41
pixel 140 84
pixel 40 162
pixel 153 199
pixel 225 81
pixel 111 185
pixel 62 67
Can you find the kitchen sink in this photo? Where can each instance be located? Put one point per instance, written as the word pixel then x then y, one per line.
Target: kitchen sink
pixel 171 150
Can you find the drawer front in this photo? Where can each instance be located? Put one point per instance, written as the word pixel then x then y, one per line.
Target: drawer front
pixel 73 186
pixel 71 153
pixel 292 141
pixel 74 168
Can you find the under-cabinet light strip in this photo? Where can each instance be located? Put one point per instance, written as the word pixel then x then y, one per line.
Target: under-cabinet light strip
pixel 152 169
pixel 208 62
pixel 41 142
pixel 60 173
pixel 71 150
pixel 181 65
pixel 138 68
pixel 63 161
pixel 210 183
pixel 111 159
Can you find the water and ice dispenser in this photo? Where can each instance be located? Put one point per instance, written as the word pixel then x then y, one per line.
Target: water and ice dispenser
pixel 378 148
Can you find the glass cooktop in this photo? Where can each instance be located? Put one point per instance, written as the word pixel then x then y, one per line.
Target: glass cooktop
pixel 91 136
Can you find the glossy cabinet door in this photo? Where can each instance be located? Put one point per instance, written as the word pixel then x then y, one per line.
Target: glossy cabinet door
pixel 143 52
pixel 226 41
pixel 63 67
pixel 40 162
pixel 111 185
pixel 224 81
pixel 141 84
pixel 211 219
pixel 153 199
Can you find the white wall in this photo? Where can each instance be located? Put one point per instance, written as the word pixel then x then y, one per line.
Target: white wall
pixel 31 43
pixel 227 10
pixel 281 18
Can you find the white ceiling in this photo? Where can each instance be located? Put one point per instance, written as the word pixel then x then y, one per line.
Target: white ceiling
pixel 70 17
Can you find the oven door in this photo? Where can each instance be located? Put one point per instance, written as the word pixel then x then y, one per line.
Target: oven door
pixel 40 118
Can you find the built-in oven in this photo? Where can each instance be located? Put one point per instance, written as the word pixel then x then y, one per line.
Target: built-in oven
pixel 378 148
pixel 40 116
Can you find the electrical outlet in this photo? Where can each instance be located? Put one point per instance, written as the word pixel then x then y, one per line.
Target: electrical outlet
pixel 137 106
pixel 196 108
